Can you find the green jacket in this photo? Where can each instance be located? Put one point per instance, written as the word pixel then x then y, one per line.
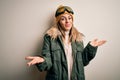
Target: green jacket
pixel 55 60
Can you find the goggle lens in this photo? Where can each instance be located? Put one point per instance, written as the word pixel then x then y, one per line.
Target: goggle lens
pixel 63 9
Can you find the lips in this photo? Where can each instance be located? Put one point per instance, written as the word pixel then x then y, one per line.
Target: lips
pixel 67 25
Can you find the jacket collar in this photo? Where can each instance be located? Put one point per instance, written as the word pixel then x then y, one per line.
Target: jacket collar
pixel 53 32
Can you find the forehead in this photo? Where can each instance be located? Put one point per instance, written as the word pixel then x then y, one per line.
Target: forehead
pixel 66 15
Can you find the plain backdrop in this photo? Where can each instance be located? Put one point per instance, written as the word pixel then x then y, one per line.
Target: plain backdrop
pixel 23 24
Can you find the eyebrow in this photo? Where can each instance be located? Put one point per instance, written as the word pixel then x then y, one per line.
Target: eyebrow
pixel 67 16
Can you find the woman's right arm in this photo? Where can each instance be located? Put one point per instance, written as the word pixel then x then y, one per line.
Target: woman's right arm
pixel 44 61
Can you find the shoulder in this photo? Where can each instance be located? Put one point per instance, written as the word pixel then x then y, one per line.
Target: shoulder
pixel 53 32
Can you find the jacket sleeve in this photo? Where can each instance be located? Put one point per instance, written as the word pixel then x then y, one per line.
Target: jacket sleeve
pixel 46 65
pixel 88 53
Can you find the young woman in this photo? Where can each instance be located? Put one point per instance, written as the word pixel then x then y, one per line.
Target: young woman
pixel 63 54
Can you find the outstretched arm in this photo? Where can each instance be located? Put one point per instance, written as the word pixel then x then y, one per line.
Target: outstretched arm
pixel 90 50
pixel 42 62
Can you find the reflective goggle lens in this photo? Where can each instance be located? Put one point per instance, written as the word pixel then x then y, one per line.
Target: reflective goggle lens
pixel 61 10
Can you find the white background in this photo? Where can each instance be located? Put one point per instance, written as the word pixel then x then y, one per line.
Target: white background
pixel 24 22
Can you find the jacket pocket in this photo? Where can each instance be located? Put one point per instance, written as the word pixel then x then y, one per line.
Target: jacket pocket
pixel 79 60
pixel 79 55
pixel 56 53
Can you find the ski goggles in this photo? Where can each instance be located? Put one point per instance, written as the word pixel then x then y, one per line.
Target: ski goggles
pixel 62 9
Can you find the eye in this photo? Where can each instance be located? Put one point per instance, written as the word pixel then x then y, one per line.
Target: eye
pixel 62 18
pixel 69 17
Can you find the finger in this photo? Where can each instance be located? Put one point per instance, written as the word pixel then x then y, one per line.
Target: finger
pixel 29 58
pixel 31 63
pixel 104 41
pixel 101 42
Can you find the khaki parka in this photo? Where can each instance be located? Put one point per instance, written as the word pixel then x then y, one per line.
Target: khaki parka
pixel 55 59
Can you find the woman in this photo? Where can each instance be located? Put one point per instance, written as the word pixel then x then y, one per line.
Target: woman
pixel 63 54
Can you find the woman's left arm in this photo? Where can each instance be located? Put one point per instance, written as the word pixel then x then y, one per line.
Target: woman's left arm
pixel 90 50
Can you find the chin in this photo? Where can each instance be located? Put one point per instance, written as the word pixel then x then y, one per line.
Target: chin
pixel 67 29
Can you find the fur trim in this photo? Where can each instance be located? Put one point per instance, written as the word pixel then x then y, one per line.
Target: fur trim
pixel 53 32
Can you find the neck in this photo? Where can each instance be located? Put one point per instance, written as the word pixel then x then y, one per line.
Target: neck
pixel 67 32
pixel 66 37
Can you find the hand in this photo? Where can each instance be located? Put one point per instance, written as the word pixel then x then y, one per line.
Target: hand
pixel 95 42
pixel 34 60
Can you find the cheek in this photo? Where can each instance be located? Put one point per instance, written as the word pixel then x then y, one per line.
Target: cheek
pixel 62 23
pixel 71 21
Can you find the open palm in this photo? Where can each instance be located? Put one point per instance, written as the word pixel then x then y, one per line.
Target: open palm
pixel 97 42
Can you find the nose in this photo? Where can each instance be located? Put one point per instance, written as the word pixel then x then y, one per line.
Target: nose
pixel 67 20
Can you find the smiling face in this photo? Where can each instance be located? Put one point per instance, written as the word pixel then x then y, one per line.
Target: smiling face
pixel 66 22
